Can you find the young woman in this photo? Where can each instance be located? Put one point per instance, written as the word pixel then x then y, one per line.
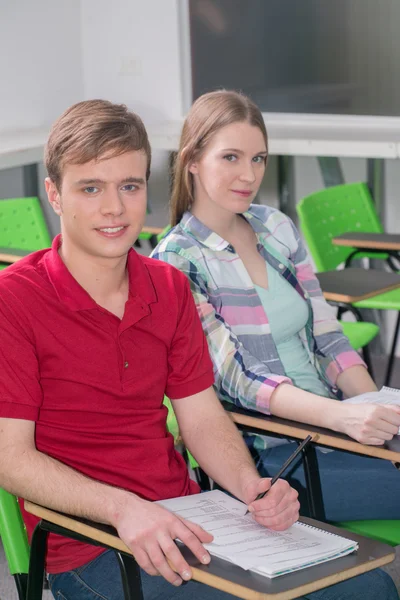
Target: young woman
pixel 276 345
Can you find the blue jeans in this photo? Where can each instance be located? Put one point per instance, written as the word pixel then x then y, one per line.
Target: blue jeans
pixel 353 487
pixel 100 579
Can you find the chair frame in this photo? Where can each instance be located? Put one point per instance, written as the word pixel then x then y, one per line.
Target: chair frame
pixel 130 570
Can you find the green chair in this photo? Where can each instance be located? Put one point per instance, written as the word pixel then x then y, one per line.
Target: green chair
pixel 22 225
pixel 15 540
pixel 323 216
pixel 340 209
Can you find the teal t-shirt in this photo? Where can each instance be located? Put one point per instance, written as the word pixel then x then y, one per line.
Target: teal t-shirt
pixel 287 314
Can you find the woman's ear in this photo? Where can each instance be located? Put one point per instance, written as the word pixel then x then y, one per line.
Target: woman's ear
pixel 192 165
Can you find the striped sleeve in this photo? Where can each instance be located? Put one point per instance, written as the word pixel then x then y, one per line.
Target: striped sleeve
pixel 335 353
pixel 239 377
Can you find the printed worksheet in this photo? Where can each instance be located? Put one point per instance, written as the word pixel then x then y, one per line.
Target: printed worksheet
pixel 241 540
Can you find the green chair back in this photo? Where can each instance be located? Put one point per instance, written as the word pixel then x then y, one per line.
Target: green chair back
pixel 331 212
pixel 13 534
pixel 173 428
pixel 22 224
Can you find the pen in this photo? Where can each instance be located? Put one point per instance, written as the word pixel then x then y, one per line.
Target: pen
pixel 286 464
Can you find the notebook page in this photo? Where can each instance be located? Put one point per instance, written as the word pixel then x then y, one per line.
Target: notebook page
pixel 239 539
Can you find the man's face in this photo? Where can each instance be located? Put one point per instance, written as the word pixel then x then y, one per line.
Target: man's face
pixel 102 204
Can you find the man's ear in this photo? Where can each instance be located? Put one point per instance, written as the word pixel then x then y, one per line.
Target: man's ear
pixel 53 196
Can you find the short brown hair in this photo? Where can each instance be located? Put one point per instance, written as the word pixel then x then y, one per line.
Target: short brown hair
pixel 208 115
pixel 91 129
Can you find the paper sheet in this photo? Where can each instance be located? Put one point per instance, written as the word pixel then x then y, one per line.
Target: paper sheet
pixel 239 539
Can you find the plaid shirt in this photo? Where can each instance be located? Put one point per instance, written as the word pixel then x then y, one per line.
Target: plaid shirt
pixel 247 367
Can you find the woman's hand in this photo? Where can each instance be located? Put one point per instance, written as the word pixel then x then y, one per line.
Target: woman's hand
pixel 371 424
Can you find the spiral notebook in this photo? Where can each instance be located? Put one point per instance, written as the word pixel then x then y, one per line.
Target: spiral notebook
pixel 386 395
pixel 240 540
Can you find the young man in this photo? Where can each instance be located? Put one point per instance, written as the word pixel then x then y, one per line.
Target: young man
pixel 93 335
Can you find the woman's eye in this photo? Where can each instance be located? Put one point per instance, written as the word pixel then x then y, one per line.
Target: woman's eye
pixel 230 157
pixel 130 187
pixel 91 190
pixel 258 159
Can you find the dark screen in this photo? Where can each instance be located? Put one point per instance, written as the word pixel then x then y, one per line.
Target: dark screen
pixel 307 56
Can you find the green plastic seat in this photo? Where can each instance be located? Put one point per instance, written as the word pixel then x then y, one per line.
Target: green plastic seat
pixel 14 539
pixel 360 334
pixel 323 216
pixel 22 225
pixel 383 531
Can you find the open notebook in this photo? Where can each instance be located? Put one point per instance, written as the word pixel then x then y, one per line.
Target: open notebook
pixel 386 395
pixel 242 541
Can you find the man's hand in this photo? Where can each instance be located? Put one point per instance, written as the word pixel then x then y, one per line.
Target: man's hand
pixel 279 508
pixel 369 423
pixel 149 530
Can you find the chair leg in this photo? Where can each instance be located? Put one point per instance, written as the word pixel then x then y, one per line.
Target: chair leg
pixel 21 581
pixel 313 484
pixel 130 573
pixel 392 352
pixel 37 564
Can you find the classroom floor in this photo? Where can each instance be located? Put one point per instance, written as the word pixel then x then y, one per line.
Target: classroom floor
pixel 7 586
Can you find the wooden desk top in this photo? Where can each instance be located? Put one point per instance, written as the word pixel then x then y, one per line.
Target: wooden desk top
pixel 373 241
pixel 265 424
pixel 355 284
pixel 238 582
pixel 11 255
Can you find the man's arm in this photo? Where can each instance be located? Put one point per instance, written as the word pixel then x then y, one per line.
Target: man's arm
pixel 146 528
pixel 214 440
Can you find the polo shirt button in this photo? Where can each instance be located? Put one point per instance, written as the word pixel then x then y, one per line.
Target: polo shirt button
pixel 126 364
pixel 280 265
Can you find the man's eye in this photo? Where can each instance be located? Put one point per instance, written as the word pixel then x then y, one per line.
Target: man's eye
pixel 230 157
pixel 91 190
pixel 130 187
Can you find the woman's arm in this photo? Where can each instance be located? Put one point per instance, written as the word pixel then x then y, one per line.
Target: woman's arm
pixel 355 380
pixel 367 423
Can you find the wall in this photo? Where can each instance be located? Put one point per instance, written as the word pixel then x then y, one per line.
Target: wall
pixel 40 61
pixel 131 55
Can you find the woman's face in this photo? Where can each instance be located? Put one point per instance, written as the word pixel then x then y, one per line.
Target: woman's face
pixel 231 167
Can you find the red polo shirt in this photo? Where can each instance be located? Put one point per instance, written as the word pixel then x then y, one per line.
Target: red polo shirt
pixel 95 384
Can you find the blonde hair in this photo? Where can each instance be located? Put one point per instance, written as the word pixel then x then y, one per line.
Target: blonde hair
pixel 91 129
pixel 208 115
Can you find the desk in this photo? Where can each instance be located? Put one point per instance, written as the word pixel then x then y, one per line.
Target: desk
pixel 356 284
pixel 265 424
pixel 12 255
pixel 369 241
pixel 234 580
pixel 252 422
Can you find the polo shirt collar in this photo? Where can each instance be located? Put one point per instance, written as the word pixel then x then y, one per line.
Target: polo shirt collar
pixel 76 298
pixel 209 238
